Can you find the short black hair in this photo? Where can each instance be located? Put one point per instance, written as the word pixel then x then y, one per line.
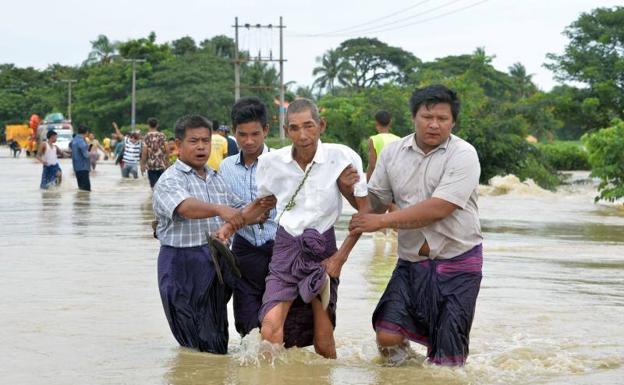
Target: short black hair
pixel 248 109
pixel 82 129
pixel 152 122
pixel 50 134
pixel 191 121
pixel 435 94
pixel 383 118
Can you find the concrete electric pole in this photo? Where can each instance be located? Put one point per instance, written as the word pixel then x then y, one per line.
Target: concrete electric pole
pixel 133 112
pixel 259 58
pixel 69 96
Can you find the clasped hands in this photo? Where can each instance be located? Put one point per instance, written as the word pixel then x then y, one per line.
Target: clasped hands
pixel 256 212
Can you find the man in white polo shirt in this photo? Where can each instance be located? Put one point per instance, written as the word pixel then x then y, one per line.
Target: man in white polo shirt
pixel 298 308
pixel 433 177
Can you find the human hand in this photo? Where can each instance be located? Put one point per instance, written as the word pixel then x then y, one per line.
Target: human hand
pixel 225 232
pixel 364 223
pixel 232 216
pixel 267 202
pixel 333 265
pixel 347 179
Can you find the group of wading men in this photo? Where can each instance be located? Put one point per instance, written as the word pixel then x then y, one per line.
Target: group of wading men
pixel 277 209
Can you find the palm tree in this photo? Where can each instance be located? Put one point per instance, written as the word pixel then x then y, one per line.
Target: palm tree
pixel 522 81
pixel 103 51
pixel 333 68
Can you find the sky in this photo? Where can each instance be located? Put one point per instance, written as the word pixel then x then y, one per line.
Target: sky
pixel 39 33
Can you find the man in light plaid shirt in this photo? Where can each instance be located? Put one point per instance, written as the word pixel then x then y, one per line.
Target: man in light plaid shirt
pixel 190 201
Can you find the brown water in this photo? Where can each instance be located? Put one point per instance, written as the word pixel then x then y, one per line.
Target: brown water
pixel 80 303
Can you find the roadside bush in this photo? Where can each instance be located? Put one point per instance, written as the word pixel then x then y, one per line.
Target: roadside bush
pixel 606 157
pixel 565 155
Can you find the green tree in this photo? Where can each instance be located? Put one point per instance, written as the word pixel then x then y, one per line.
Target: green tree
pixel 373 62
pixel 332 69
pixel 594 57
pixel 146 48
pixel 183 46
pixel 606 157
pixel 103 51
pixel 523 85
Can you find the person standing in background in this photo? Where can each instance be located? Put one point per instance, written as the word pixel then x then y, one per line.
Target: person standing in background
pixel 377 142
pixel 80 158
pixel 47 155
pixel 155 154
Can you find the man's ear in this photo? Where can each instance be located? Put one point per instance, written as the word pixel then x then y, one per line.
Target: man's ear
pixel 322 124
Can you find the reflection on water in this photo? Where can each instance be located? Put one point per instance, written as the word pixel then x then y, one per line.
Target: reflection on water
pixel 81 305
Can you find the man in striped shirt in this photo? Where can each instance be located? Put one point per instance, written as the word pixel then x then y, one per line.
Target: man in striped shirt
pixel 192 202
pixel 131 153
pixel 252 245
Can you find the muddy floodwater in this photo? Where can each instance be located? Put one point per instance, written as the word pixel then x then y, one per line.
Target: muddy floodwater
pixel 80 303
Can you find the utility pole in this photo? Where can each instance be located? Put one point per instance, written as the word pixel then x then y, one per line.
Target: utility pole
pixel 236 63
pixel 281 65
pixel 69 96
pixel 259 58
pixel 133 112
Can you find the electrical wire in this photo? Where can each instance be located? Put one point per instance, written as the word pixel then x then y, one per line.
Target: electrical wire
pixel 373 21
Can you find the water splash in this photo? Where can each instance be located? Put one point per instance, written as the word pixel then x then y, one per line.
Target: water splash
pixel 511 184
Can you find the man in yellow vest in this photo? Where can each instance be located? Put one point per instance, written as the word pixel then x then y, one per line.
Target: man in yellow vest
pixel 219 151
pixel 377 142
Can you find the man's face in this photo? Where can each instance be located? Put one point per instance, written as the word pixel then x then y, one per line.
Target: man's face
pixel 194 149
pixel 52 139
pixel 250 137
pixel 433 125
pixel 303 131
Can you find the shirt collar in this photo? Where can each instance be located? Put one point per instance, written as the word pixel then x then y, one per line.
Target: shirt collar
pixel 185 168
pixel 319 155
pixel 411 143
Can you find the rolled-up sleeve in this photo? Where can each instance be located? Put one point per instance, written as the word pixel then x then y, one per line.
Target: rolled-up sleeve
pixel 168 194
pixel 379 187
pixel 460 178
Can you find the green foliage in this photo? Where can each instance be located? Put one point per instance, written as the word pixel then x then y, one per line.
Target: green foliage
pixel 606 157
pixel 565 155
pixel 371 62
pixel 535 168
pixel 350 118
pixel 276 142
pixel 594 57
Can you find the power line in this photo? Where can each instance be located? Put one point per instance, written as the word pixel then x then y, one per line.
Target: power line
pixel 394 27
pixel 366 30
pixel 428 19
pixel 372 21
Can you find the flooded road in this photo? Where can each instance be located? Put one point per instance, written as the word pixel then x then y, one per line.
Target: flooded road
pixel 80 302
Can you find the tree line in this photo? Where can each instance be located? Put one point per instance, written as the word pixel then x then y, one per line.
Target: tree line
pixel 352 81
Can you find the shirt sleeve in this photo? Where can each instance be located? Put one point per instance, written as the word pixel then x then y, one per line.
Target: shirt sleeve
pixel 234 200
pixel 360 189
pixel 460 178
pixel 263 178
pixel 379 187
pixel 168 194
pixel 84 149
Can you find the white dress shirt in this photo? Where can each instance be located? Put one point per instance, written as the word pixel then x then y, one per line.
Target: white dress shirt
pixel 319 203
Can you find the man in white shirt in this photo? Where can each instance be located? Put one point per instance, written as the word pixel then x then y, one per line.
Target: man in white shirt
pixel 298 308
